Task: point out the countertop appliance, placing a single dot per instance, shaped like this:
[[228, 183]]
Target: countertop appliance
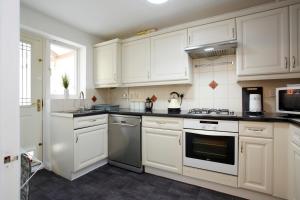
[[211, 145], [288, 100], [124, 142], [252, 98], [175, 102]]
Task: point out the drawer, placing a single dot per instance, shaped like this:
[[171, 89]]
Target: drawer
[[163, 123], [94, 120], [256, 129]]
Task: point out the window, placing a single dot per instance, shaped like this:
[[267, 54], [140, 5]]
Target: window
[[25, 74], [63, 61]]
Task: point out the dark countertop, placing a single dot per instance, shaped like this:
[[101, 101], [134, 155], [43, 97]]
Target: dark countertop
[[267, 117]]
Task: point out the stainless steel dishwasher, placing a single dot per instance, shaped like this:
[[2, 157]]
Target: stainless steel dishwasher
[[124, 142]]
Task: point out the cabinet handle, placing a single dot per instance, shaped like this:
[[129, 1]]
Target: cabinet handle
[[76, 138], [286, 62], [189, 39], [255, 129], [179, 140], [233, 33], [185, 72], [242, 148], [148, 75], [294, 62]]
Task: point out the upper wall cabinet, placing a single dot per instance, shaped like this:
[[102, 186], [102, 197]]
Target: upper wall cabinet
[[107, 64], [295, 38], [263, 40], [212, 33], [136, 61], [169, 61]]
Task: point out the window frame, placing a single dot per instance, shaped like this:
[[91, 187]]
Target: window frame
[[77, 70]]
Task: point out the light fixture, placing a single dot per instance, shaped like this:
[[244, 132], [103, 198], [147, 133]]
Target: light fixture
[[157, 1], [209, 49]]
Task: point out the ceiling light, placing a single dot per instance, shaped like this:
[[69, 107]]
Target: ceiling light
[[157, 1]]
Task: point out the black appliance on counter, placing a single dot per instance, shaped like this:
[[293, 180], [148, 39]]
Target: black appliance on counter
[[252, 98]]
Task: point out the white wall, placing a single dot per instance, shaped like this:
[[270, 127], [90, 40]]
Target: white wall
[[9, 98]]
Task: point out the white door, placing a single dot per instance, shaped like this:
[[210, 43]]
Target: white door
[[263, 40], [256, 164], [169, 61], [90, 146], [212, 33], [136, 61], [9, 99], [106, 65], [31, 94], [162, 149], [295, 37]]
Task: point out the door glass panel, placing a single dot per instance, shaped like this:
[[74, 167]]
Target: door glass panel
[[210, 148], [25, 74]]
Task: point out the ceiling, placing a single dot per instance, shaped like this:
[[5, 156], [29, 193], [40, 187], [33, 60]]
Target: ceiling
[[123, 18]]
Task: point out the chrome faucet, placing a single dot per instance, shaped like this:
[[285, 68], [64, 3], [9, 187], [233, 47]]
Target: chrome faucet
[[81, 97]]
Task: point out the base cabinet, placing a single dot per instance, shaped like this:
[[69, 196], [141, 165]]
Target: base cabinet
[[294, 164], [162, 149], [256, 164], [90, 146]]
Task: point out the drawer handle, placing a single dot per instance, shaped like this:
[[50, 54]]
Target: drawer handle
[[92, 120], [161, 123], [255, 129]]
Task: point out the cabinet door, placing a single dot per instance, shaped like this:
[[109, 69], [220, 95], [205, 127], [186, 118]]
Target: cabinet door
[[169, 61], [263, 40], [294, 172], [212, 33], [162, 149], [295, 37], [90, 146], [256, 164], [136, 61], [106, 64]]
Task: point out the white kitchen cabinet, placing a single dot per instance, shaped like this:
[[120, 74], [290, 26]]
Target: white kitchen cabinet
[[212, 33], [295, 38], [90, 146], [162, 149], [256, 164], [107, 64], [263, 40], [78, 145], [294, 163], [169, 61], [136, 61]]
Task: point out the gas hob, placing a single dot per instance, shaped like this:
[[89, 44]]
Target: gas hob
[[211, 111]]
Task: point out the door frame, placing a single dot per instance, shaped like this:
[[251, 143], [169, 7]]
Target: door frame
[[9, 99]]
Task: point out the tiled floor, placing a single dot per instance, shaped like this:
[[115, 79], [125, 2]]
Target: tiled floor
[[111, 183]]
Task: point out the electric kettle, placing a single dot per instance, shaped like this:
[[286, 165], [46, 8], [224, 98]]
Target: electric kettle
[[175, 102]]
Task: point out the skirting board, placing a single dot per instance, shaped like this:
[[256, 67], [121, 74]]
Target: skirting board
[[88, 169], [209, 185]]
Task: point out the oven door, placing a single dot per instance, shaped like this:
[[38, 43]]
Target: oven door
[[211, 150]]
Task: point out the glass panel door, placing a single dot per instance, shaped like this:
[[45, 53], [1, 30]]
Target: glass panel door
[[210, 148]]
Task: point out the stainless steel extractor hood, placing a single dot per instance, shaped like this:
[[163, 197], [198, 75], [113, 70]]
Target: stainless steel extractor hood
[[216, 49]]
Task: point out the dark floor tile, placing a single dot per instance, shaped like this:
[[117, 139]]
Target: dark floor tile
[[112, 183]]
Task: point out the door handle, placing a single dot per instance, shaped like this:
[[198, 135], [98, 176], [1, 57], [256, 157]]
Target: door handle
[[123, 124], [38, 105]]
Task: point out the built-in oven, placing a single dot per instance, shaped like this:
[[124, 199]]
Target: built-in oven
[[211, 145], [288, 100]]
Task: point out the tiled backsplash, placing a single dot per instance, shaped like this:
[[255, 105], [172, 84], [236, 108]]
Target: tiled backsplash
[[227, 94]]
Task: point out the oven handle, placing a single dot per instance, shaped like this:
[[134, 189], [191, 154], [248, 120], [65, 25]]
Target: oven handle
[[212, 133]]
